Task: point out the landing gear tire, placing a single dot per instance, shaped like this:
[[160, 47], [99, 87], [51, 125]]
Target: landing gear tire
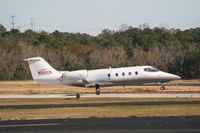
[[78, 96], [98, 89], [162, 87]]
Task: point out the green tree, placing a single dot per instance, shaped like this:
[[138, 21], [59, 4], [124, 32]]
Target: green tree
[[2, 29], [191, 65]]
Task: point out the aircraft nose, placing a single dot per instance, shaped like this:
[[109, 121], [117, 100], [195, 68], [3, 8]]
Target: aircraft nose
[[178, 77], [175, 76], [171, 76]]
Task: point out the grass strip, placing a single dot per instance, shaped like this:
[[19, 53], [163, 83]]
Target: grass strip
[[100, 112], [28, 87]]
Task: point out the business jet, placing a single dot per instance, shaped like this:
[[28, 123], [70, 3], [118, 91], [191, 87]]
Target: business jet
[[43, 73]]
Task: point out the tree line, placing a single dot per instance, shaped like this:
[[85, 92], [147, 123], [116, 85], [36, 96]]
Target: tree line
[[170, 50]]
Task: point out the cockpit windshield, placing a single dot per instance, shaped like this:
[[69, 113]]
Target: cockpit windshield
[[151, 69]]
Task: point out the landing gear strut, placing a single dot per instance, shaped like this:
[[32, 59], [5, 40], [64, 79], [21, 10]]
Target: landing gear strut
[[97, 89], [162, 86]]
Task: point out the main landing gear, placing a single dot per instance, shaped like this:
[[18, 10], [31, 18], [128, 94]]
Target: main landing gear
[[162, 86], [97, 89], [77, 96]]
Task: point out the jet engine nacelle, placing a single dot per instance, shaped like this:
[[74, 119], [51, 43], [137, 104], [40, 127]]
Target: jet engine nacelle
[[75, 75], [71, 76]]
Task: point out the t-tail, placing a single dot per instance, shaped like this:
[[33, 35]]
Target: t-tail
[[41, 71]]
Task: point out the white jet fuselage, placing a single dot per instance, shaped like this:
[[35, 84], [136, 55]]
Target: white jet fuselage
[[124, 76]]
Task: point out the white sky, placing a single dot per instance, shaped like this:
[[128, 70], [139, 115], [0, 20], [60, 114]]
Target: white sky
[[92, 16]]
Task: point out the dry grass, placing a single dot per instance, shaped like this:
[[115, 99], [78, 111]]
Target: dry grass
[[29, 87], [111, 111], [88, 112], [186, 81]]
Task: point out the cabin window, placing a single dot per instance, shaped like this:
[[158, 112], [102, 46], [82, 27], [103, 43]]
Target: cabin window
[[151, 69], [136, 73], [123, 74], [109, 75], [116, 74], [129, 73]]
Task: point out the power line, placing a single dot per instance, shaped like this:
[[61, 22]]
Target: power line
[[13, 21], [32, 24]]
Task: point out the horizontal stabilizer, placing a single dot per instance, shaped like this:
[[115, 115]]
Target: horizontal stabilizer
[[31, 59]]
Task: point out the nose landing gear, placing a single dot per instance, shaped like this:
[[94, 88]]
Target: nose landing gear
[[162, 86]]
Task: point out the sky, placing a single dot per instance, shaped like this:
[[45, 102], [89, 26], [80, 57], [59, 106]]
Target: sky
[[92, 16]]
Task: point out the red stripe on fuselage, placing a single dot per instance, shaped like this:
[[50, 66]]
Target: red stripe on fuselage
[[143, 79]]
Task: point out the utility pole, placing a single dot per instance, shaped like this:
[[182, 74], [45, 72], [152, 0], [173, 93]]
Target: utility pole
[[13, 21], [32, 24]]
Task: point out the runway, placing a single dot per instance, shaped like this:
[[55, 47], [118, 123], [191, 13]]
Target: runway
[[172, 124], [172, 95], [180, 124], [98, 104]]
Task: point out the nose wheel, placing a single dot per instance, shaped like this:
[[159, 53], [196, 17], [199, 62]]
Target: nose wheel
[[162, 87], [97, 89]]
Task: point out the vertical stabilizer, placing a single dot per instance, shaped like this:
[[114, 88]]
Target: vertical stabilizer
[[40, 68]]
